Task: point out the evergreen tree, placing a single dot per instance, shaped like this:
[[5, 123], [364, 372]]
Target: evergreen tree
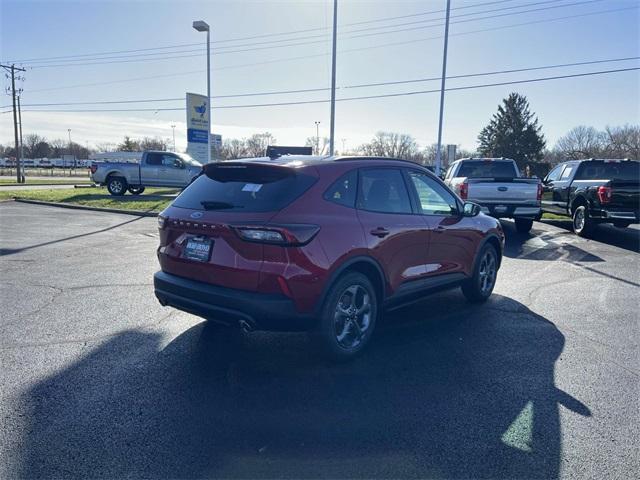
[[513, 132]]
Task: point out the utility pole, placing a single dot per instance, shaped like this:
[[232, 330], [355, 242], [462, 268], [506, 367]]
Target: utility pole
[[13, 69], [317, 138], [444, 75], [343, 148], [20, 123], [173, 127], [333, 78]]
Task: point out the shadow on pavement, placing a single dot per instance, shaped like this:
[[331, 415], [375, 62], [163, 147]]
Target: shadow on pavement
[[627, 238], [459, 391], [11, 251]]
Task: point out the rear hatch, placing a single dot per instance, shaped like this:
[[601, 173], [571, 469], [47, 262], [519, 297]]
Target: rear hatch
[[203, 234]]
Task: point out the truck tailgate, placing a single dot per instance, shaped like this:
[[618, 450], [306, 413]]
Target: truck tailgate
[[625, 193], [502, 191]]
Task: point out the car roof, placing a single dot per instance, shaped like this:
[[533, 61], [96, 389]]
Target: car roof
[[297, 161]]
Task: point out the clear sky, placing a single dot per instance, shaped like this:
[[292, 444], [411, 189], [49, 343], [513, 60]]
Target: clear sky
[[370, 52]]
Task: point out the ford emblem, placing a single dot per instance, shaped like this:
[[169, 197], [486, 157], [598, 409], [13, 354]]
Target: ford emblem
[[503, 189], [196, 215]]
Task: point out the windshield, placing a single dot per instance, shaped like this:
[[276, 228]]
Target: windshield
[[487, 169], [603, 170]]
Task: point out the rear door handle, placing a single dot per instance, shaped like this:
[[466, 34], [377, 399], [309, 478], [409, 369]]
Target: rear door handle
[[439, 229], [379, 232]]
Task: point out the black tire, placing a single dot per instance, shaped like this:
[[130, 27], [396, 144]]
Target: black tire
[[621, 224], [480, 286], [583, 225], [135, 190], [354, 328], [117, 186], [523, 225]]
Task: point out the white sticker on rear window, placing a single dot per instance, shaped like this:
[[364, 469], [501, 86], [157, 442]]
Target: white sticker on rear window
[[252, 187]]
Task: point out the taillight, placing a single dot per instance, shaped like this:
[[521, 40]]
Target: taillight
[[604, 194], [539, 194], [162, 222], [287, 235], [464, 191], [93, 168]]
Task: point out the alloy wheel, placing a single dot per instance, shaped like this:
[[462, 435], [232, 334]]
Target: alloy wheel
[[352, 317]]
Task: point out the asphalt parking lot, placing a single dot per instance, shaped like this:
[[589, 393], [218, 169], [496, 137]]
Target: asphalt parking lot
[[98, 380]]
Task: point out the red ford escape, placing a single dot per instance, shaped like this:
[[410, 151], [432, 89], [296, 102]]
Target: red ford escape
[[320, 244]]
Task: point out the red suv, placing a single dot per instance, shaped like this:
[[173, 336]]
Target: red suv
[[320, 244]]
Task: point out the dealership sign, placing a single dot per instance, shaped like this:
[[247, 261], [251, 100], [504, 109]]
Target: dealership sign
[[197, 126]]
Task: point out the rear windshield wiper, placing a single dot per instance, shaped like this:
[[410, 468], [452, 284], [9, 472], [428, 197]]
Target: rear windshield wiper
[[213, 205]]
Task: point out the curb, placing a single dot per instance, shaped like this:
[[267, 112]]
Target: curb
[[73, 206]]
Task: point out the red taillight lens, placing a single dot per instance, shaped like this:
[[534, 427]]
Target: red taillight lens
[[162, 222], [604, 194], [288, 235], [539, 194], [464, 191], [93, 168]]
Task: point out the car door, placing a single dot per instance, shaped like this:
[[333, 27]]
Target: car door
[[396, 236], [549, 202], [452, 237], [172, 171], [150, 168]]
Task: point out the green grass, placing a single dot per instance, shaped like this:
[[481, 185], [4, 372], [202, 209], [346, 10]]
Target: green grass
[[53, 180], [97, 197], [553, 216]]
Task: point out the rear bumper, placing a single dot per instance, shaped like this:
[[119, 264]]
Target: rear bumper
[[501, 210], [632, 216], [230, 306]]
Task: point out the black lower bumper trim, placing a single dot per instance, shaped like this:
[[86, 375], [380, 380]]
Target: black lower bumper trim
[[226, 305]]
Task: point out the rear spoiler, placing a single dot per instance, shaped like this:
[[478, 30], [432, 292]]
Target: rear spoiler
[[247, 172]]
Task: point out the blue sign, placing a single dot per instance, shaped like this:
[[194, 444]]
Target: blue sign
[[196, 136]]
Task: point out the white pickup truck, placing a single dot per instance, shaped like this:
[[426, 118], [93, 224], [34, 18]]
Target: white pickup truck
[[497, 186], [155, 168]]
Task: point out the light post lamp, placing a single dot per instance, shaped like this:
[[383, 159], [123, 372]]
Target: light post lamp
[[203, 26], [173, 127]]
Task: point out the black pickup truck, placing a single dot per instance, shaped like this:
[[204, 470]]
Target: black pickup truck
[[594, 191]]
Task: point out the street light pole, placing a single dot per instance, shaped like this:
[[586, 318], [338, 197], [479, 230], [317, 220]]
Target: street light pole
[[173, 127], [317, 138], [71, 150], [203, 26], [444, 75], [333, 78]]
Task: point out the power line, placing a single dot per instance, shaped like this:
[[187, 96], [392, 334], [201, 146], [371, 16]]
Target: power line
[[114, 60], [267, 35], [393, 44], [363, 85], [264, 43], [346, 99]]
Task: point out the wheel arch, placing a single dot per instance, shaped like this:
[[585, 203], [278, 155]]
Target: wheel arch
[[578, 201], [494, 241], [364, 264]]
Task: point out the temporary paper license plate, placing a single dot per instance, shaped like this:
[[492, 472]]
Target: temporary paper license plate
[[500, 208], [198, 249]]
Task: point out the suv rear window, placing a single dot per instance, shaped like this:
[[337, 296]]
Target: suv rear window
[[245, 189], [601, 170], [487, 169]]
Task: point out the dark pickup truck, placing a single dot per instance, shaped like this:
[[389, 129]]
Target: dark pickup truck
[[594, 191]]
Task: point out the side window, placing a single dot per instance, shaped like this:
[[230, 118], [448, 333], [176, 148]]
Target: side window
[[343, 190], [434, 199], [168, 160], [554, 174], [154, 159], [383, 190], [566, 173]]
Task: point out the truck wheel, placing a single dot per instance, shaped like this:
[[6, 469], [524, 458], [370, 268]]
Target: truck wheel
[[523, 225], [117, 186], [348, 318], [135, 190], [479, 287], [583, 225]]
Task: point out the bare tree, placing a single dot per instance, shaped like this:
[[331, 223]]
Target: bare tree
[[152, 143], [59, 147], [581, 142], [320, 145], [623, 142], [256, 144], [393, 145], [233, 148]]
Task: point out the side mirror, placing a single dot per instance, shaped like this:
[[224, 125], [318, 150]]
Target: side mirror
[[178, 163], [470, 209]]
